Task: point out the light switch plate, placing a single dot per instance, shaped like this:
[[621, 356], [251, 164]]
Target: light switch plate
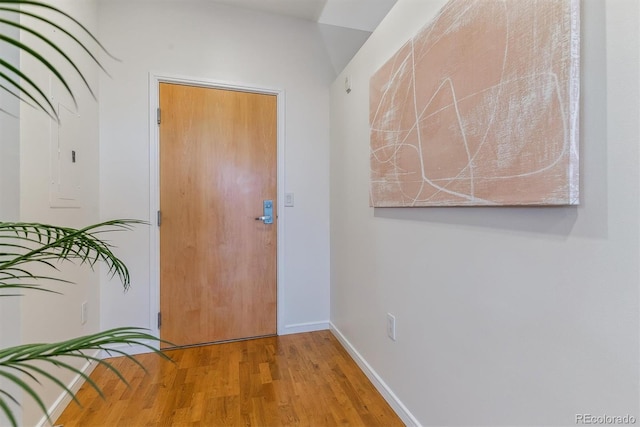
[[288, 200]]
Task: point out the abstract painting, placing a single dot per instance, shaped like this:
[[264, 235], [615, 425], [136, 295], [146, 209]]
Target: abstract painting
[[480, 108]]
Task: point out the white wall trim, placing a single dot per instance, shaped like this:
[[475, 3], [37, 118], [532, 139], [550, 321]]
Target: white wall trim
[[74, 385], [403, 412], [64, 399], [154, 182], [129, 350], [298, 328]]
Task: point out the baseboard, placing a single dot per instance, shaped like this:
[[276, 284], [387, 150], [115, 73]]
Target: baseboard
[[298, 328], [64, 399], [403, 412], [130, 350]]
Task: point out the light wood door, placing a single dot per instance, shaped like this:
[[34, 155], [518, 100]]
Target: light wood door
[[218, 163]]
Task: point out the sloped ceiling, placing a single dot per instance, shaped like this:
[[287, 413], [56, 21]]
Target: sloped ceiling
[[344, 24], [309, 10], [363, 15]]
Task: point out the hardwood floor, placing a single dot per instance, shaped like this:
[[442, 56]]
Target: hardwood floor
[[292, 380]]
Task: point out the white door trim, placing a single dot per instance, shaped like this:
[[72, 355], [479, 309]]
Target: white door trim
[[154, 183]]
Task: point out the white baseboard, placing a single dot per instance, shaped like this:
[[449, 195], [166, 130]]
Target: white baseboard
[[130, 350], [64, 399], [298, 328], [403, 412]]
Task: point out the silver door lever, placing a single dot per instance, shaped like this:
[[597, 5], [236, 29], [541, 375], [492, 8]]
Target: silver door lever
[[267, 212]]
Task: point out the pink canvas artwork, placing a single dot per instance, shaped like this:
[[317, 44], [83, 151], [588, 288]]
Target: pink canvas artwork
[[480, 108]]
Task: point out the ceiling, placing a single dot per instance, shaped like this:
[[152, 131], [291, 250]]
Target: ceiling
[[363, 15], [344, 25]]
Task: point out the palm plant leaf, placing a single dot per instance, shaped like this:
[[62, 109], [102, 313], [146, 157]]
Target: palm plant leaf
[[18, 83], [49, 109], [27, 243], [23, 245], [29, 359]]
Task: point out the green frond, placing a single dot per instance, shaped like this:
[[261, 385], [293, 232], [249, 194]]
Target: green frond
[[6, 409], [33, 243], [19, 84], [19, 360], [25, 89], [27, 245], [51, 44]]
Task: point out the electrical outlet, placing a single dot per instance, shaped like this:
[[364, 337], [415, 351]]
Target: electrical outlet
[[83, 313], [391, 326]]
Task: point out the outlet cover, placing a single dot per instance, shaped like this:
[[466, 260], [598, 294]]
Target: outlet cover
[[83, 313], [391, 326]]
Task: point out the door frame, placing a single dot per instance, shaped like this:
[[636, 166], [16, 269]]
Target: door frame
[[154, 183]]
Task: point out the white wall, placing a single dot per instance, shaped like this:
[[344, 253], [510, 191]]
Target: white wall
[[10, 330], [505, 316], [47, 317], [219, 43], [9, 137], [9, 179]]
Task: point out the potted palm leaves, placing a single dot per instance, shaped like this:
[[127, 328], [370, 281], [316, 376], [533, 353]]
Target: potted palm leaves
[[24, 246]]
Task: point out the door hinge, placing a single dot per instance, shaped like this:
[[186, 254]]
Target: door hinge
[[159, 218], [159, 320], [159, 116]]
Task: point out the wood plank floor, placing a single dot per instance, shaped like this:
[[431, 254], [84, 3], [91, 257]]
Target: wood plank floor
[[292, 380]]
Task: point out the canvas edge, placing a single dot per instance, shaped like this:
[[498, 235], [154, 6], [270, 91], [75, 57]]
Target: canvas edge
[[574, 106]]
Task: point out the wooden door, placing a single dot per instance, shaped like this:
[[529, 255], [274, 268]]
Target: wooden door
[[218, 163]]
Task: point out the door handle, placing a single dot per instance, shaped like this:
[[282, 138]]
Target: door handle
[[267, 212]]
